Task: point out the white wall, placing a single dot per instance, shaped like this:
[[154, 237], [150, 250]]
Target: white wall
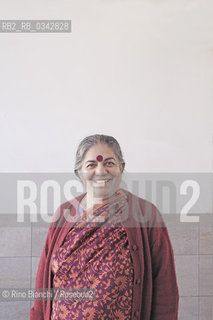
[[138, 70]]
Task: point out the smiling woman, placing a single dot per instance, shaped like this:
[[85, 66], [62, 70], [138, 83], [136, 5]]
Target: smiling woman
[[130, 265], [100, 178]]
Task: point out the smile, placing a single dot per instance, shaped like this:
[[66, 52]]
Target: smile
[[101, 181]]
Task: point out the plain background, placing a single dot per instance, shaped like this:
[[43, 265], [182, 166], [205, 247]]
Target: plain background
[[140, 71]]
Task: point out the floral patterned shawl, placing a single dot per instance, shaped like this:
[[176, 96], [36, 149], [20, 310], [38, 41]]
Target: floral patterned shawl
[[95, 256]]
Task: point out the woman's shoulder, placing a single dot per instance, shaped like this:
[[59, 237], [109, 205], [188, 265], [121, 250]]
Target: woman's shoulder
[[139, 201], [145, 210], [66, 208]]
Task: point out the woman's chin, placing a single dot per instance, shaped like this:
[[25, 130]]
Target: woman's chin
[[102, 192]]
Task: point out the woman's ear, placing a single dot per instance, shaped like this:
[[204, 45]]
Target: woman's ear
[[77, 174], [122, 167]]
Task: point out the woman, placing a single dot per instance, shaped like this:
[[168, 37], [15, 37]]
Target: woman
[[110, 241]]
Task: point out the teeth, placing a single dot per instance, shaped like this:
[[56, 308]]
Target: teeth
[[101, 181]]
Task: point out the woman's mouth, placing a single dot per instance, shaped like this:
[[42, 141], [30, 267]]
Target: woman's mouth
[[101, 182]]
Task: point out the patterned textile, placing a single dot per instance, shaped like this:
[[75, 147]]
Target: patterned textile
[[95, 256]]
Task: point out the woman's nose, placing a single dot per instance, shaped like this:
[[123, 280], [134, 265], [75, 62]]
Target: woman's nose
[[100, 169]]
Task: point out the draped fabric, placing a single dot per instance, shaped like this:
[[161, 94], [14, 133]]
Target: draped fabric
[[95, 256]]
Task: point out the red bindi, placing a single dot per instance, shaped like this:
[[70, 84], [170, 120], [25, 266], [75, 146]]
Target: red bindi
[[99, 158]]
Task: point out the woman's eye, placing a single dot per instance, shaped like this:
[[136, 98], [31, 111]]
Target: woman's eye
[[110, 163], [90, 165]]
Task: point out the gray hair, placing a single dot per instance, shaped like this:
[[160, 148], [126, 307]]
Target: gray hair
[[89, 142]]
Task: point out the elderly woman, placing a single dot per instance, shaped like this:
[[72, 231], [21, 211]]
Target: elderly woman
[[117, 246]]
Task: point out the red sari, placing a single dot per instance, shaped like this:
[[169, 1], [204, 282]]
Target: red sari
[[96, 256]]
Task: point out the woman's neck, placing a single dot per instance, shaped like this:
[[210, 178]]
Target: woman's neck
[[88, 202]]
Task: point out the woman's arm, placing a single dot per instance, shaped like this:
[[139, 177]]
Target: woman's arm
[[37, 311], [165, 296]]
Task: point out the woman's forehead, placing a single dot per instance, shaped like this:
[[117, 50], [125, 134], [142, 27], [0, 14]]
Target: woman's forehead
[[99, 150]]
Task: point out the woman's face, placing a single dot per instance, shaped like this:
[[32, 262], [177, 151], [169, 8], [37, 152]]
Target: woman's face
[[101, 178]]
